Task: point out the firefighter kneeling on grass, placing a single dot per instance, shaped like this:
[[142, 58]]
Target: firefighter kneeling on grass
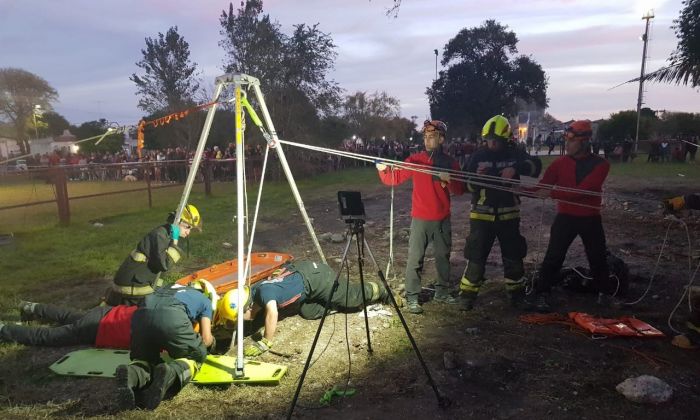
[[495, 212], [299, 287], [165, 324], [156, 253]]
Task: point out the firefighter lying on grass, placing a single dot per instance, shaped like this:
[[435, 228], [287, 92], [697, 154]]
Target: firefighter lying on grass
[[299, 287]]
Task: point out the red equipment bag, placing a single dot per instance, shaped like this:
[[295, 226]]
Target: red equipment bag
[[623, 326]]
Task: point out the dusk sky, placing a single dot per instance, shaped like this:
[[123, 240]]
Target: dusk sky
[[87, 49]]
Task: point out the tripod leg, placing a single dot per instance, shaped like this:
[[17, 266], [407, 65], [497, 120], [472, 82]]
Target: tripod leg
[[318, 331], [360, 237], [442, 401]]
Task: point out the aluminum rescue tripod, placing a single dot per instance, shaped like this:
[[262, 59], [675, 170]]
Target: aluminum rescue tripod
[[238, 81]]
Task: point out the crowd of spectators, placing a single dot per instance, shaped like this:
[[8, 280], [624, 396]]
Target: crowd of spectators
[[171, 164], [682, 149]]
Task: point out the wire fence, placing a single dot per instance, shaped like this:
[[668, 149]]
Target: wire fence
[[141, 177]]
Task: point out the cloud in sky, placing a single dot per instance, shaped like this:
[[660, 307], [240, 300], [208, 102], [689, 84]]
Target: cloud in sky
[[87, 49]]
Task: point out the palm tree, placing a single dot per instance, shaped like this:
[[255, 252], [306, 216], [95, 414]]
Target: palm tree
[[684, 63]]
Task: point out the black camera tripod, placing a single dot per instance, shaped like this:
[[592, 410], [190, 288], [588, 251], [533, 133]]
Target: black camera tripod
[[356, 229]]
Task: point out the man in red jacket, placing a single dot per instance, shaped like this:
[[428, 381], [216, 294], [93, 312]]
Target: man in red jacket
[[578, 212], [430, 212]]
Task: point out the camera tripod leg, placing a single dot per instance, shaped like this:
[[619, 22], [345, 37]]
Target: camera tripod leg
[[320, 327], [360, 237], [442, 401]]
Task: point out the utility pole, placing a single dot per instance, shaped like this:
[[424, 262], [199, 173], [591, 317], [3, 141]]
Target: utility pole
[[436, 61], [648, 16]]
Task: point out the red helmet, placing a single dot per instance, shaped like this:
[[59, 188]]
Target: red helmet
[[438, 125], [579, 130]]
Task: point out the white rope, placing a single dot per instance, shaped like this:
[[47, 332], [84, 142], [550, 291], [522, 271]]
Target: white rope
[[474, 178], [686, 291], [245, 176], [427, 169], [390, 263], [538, 253], [255, 218], [656, 266]]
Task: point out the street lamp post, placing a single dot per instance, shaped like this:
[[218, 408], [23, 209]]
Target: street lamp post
[[436, 63], [35, 112]]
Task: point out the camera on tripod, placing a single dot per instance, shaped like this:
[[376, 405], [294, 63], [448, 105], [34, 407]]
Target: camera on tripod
[[352, 209]]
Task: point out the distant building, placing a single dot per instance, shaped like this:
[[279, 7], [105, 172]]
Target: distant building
[[7, 146], [41, 146], [66, 141], [530, 121]]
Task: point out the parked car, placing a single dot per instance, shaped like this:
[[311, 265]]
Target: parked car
[[21, 165]]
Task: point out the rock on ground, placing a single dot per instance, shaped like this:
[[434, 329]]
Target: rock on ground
[[645, 389]]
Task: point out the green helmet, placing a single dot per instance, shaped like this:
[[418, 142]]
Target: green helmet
[[496, 128]]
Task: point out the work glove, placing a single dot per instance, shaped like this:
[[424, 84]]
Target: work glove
[[257, 348], [381, 167], [175, 231], [212, 347], [672, 205]]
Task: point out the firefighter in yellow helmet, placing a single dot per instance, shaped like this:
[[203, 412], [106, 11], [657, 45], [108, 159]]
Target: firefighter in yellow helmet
[[139, 273], [298, 287], [495, 211], [227, 308]]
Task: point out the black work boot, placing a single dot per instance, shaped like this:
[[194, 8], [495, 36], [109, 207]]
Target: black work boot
[[445, 297], [126, 381], [541, 303], [164, 376], [466, 301], [518, 300]]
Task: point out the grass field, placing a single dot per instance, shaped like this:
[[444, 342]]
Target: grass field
[[45, 259]]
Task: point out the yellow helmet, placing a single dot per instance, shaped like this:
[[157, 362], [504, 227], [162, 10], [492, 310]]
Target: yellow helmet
[[496, 128], [204, 286], [190, 215], [227, 309]]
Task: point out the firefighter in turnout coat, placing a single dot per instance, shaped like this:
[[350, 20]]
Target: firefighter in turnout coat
[[495, 212]]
